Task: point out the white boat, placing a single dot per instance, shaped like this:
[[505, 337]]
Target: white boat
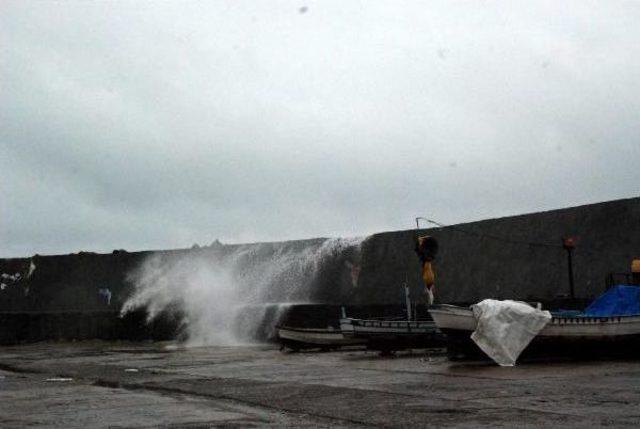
[[564, 334], [450, 318], [300, 338]]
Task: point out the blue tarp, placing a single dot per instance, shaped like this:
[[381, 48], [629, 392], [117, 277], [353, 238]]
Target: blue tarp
[[567, 313], [617, 301]]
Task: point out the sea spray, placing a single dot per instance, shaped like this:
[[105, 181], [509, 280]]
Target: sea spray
[[230, 294]]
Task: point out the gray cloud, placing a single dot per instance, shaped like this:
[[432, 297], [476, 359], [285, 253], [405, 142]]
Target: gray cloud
[[154, 125]]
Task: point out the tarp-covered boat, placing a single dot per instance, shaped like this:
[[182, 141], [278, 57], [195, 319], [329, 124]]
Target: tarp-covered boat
[[610, 324]]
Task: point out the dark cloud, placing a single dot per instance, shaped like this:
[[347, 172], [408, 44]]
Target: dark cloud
[[155, 125]]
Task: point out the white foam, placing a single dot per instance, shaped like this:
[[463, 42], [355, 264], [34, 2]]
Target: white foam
[[225, 297]]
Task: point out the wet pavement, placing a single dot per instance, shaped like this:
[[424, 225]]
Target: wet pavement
[[95, 384]]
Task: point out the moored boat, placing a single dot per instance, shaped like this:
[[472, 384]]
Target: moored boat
[[566, 332], [453, 319], [307, 338], [388, 334]]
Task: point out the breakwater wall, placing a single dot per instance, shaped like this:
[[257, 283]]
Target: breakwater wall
[[518, 257]]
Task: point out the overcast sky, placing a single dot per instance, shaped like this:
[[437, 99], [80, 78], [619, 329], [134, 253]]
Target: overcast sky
[[142, 125]]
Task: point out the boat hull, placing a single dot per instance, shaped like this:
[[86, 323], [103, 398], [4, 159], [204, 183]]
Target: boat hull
[[387, 335], [299, 338]]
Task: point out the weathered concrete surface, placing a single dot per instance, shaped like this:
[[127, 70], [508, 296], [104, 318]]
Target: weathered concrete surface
[[134, 385], [16, 327], [517, 257]]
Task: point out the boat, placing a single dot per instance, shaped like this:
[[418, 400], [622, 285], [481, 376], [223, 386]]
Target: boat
[[568, 332], [330, 338], [389, 335], [453, 319]]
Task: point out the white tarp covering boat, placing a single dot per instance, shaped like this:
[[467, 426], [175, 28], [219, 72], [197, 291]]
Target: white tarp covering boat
[[505, 328], [563, 331]]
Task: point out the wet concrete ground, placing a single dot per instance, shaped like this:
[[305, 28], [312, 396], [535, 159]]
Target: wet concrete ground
[[147, 385]]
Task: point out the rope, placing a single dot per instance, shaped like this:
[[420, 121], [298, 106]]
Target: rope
[[491, 236]]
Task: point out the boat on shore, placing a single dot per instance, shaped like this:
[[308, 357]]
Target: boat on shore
[[388, 335], [330, 338], [566, 333]]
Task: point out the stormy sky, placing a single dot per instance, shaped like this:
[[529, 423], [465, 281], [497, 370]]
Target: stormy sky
[[143, 125]]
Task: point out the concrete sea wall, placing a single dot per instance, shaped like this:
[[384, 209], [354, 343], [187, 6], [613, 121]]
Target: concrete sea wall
[[520, 257]]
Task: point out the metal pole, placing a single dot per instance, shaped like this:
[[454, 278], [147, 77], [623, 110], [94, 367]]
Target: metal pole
[[407, 298], [569, 243], [571, 285]]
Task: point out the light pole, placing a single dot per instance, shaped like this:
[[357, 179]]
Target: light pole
[[568, 243]]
